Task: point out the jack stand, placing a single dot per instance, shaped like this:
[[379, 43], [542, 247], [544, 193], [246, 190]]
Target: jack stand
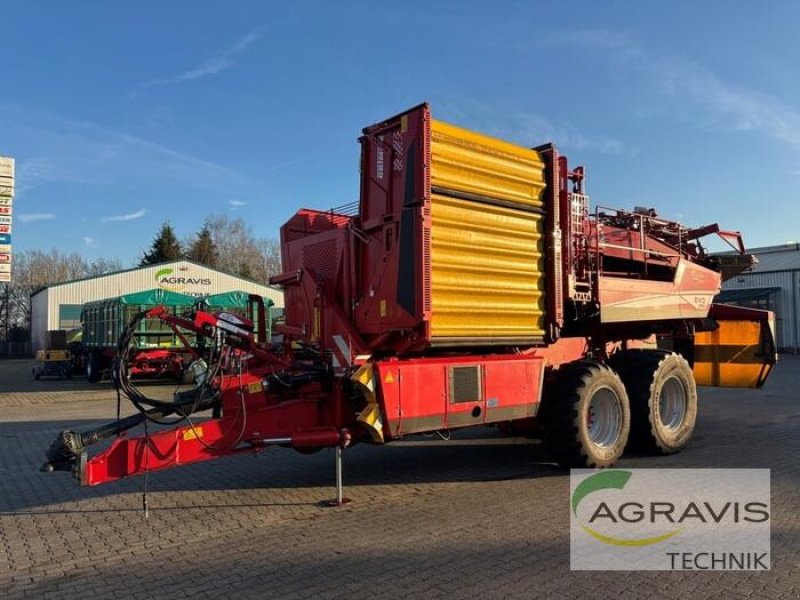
[[340, 500]]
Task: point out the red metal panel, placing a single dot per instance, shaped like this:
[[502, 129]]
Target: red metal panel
[[554, 241], [422, 396], [418, 395], [395, 158], [513, 388]]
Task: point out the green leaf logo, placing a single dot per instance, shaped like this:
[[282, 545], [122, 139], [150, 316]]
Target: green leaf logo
[[603, 480], [611, 480]]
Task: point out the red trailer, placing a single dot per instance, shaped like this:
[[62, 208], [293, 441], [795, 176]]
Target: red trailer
[[474, 285]]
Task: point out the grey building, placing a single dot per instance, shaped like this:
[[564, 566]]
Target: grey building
[[58, 306], [774, 284]]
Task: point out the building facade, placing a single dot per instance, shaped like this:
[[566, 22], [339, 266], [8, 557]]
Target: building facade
[[774, 284], [58, 306]]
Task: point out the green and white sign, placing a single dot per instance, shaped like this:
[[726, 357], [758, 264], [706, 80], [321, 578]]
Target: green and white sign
[[670, 519]]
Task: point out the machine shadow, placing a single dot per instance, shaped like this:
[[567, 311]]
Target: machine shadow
[[478, 455]]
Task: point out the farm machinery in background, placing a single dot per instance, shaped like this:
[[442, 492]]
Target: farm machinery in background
[[473, 285], [156, 351]]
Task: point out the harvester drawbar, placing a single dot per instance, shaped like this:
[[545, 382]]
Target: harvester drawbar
[[231, 383]]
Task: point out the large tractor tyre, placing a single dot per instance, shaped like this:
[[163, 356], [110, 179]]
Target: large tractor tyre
[[585, 415], [94, 368], [663, 398]]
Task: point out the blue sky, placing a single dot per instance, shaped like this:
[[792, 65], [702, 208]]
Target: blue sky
[[123, 115]]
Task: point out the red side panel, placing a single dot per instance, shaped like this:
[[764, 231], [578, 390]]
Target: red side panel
[[395, 159], [421, 395], [317, 256]]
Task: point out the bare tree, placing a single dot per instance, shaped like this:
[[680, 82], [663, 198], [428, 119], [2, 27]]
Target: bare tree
[[271, 255], [35, 269], [240, 252]]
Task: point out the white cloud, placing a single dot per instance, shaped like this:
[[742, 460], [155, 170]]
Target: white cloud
[[211, 66], [527, 128], [684, 89], [128, 217], [29, 217], [236, 204], [80, 152], [89, 241]]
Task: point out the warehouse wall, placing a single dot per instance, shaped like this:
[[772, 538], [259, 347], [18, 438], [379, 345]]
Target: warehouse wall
[[39, 326], [786, 309]]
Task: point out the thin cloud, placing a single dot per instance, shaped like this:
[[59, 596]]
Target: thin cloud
[[528, 128], [719, 105], [30, 217], [89, 241], [75, 151], [236, 204], [129, 217], [682, 88], [211, 66]]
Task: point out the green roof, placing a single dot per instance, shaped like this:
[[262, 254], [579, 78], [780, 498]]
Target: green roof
[[152, 297], [237, 299]]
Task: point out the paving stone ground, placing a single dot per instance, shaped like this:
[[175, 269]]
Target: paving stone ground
[[479, 516]]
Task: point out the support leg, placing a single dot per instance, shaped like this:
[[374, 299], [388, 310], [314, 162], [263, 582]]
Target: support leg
[[340, 500]]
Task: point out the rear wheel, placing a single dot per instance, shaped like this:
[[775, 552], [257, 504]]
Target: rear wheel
[[93, 368], [663, 397], [585, 415]]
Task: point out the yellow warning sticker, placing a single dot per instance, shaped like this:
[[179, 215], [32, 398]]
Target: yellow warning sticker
[[389, 378], [192, 433], [254, 388], [383, 308]]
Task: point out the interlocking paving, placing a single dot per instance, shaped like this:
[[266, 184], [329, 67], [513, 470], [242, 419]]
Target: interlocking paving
[[477, 516]]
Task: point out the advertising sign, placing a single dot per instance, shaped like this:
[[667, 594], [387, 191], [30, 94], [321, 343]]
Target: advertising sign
[[5, 228], [5, 238], [5, 258], [5, 268], [5, 277], [5, 209], [6, 167], [670, 519]]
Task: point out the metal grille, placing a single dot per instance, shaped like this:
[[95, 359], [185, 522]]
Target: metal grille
[[580, 211], [321, 259], [465, 384], [426, 261]]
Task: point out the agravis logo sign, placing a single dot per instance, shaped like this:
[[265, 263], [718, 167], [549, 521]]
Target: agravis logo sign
[[167, 280], [613, 480], [667, 519]]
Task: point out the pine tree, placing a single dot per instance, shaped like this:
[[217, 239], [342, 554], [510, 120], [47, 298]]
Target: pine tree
[[165, 247], [203, 249]]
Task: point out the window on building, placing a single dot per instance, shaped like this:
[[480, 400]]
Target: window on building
[[69, 316]]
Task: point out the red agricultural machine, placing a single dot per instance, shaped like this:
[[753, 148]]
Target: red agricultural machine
[[472, 285]]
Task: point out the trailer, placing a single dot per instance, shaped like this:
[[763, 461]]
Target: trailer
[[473, 285], [160, 351], [241, 303]]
